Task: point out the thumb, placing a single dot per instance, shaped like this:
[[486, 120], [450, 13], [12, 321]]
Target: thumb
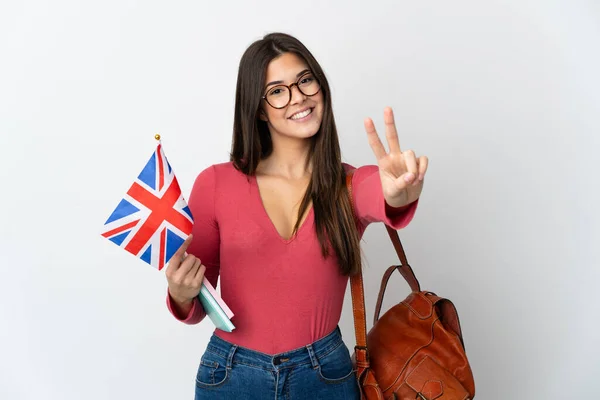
[[402, 182], [406, 179]]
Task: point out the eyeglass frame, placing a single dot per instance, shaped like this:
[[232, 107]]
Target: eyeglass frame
[[289, 87]]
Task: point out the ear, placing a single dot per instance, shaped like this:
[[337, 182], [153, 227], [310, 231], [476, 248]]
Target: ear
[[262, 115]]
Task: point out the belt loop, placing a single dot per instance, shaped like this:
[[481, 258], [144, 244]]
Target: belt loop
[[313, 358], [230, 356]]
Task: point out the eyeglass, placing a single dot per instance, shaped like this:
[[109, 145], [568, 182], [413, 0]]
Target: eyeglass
[[279, 96]]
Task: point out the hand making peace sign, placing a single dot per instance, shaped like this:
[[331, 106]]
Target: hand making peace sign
[[401, 172]]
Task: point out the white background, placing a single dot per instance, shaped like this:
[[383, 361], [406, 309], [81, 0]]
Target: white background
[[502, 96]]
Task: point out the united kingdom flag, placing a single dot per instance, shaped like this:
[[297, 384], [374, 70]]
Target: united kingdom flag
[[153, 219]]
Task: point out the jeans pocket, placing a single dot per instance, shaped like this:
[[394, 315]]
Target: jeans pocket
[[212, 371], [336, 367]]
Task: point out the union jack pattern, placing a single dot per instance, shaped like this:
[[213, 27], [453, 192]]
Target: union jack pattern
[[153, 219]]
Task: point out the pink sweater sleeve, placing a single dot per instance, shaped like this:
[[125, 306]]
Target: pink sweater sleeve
[[206, 242], [370, 205]]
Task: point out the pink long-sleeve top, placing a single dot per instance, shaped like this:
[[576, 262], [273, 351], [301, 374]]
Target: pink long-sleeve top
[[283, 293]]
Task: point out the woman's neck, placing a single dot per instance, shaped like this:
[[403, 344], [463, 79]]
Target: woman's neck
[[289, 159]]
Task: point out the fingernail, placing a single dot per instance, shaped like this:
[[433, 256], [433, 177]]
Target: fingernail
[[421, 177], [409, 177]]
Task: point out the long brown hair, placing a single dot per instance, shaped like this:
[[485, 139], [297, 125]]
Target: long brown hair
[[334, 223]]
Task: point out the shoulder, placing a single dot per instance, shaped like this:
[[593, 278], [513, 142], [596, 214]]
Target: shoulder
[[221, 172], [360, 172], [348, 167], [220, 180]]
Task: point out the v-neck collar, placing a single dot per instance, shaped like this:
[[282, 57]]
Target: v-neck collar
[[261, 204]]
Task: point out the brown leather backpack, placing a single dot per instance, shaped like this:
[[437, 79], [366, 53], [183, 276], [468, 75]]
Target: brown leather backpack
[[415, 350]]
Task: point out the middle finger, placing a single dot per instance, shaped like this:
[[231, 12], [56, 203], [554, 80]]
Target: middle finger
[[390, 130], [186, 265]]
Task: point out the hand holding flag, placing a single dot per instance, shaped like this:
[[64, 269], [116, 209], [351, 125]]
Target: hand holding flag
[[185, 274], [154, 223]]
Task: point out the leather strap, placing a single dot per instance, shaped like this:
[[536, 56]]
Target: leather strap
[[408, 275], [357, 286], [357, 291]]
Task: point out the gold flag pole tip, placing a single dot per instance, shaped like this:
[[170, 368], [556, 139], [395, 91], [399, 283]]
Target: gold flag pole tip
[[157, 136]]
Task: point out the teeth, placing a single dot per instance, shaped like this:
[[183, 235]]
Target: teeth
[[302, 114]]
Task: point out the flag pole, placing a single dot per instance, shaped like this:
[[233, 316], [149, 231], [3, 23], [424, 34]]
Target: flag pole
[[213, 305]]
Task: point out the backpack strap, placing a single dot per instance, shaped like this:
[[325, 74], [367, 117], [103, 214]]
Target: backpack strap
[[356, 281]]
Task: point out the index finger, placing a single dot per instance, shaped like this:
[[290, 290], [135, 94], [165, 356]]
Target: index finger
[[374, 141], [180, 253]]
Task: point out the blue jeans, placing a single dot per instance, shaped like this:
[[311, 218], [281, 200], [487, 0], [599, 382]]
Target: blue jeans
[[321, 370]]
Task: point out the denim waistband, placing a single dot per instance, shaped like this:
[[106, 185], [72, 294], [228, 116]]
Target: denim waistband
[[309, 354]]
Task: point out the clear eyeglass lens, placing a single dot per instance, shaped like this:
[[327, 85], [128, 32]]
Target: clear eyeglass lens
[[279, 96]]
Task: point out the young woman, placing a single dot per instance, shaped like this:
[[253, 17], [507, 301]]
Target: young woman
[[276, 224]]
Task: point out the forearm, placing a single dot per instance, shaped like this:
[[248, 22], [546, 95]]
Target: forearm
[[181, 307]]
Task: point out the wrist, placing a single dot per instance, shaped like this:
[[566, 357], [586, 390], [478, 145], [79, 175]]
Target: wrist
[[181, 300], [398, 201]]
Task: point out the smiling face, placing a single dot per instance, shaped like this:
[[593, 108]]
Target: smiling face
[[301, 118]]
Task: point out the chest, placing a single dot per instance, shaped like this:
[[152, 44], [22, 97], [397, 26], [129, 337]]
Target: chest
[[280, 200]]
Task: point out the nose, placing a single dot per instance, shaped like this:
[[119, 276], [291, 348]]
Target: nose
[[297, 95]]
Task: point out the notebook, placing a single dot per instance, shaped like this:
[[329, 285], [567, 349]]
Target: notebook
[[215, 307]]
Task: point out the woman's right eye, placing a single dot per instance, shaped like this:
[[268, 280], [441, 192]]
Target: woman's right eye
[[276, 92]]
